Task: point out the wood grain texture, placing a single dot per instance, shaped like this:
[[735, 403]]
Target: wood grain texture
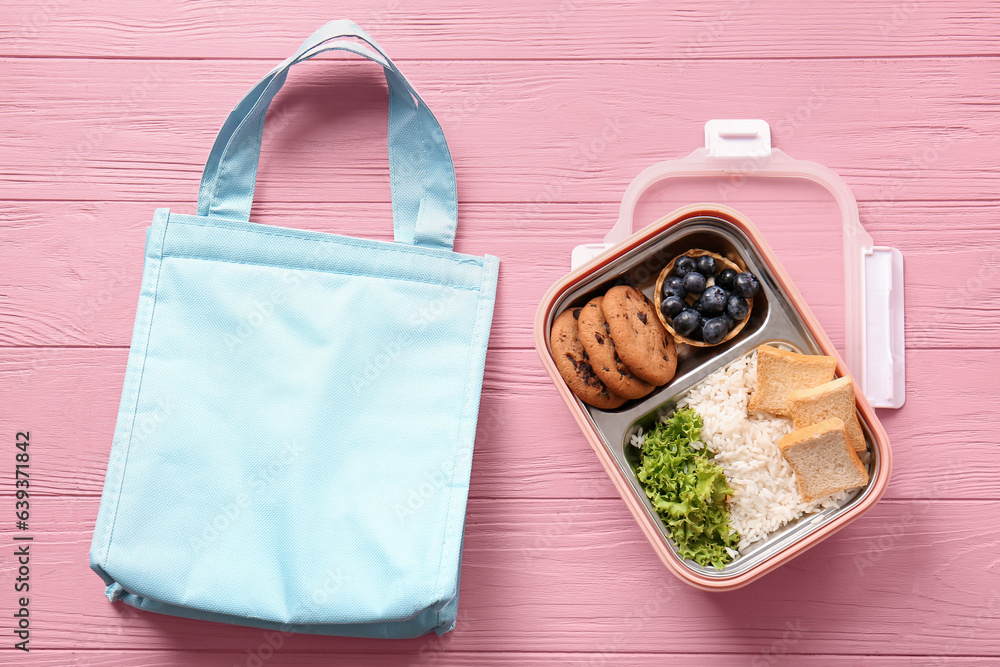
[[918, 128], [550, 107], [70, 271], [527, 445], [542, 571], [520, 29], [778, 656]]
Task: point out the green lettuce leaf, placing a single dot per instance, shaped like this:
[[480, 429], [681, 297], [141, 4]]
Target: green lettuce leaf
[[688, 490]]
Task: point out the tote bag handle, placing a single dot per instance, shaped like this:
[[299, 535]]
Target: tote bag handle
[[421, 172]]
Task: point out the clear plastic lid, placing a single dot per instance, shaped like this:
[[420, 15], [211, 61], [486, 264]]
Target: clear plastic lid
[[810, 218]]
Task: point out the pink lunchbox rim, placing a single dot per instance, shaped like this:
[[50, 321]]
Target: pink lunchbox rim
[[880, 440]]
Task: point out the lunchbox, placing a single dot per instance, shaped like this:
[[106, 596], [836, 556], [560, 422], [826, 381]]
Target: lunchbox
[[850, 308]]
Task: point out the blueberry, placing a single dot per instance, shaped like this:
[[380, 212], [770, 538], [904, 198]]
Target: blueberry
[[746, 285], [713, 301], [737, 307], [726, 278], [683, 266], [714, 330], [674, 286], [694, 283], [730, 322], [672, 305], [686, 322], [706, 265]]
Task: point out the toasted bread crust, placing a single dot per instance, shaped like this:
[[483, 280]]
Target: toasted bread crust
[[780, 371], [831, 399], [828, 471]]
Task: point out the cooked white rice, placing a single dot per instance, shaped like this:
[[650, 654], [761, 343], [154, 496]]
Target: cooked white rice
[[746, 447]]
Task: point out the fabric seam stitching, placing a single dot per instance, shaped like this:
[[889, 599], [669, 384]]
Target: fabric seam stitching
[[338, 239], [474, 288], [478, 328], [142, 367]]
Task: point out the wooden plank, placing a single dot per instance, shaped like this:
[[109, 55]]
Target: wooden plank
[[550, 109], [70, 272], [518, 29], [528, 446], [126, 129], [443, 658], [537, 576]]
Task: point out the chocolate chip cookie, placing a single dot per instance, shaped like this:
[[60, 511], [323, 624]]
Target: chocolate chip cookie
[[640, 340], [596, 339], [574, 365]]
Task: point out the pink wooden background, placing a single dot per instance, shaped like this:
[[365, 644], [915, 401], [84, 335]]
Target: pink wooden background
[[108, 109]]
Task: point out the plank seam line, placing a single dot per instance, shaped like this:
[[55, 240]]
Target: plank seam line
[[496, 348], [533, 499], [64, 347], [651, 59], [518, 653], [478, 202]]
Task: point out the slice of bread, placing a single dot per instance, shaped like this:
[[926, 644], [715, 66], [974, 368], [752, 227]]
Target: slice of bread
[[823, 460], [779, 372], [831, 399]]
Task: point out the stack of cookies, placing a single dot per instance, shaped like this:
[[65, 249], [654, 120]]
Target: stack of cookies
[[613, 349]]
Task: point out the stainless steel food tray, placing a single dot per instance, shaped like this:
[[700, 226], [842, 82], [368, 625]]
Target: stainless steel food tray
[[773, 320]]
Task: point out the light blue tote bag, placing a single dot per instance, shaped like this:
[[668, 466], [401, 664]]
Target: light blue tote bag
[[295, 436]]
